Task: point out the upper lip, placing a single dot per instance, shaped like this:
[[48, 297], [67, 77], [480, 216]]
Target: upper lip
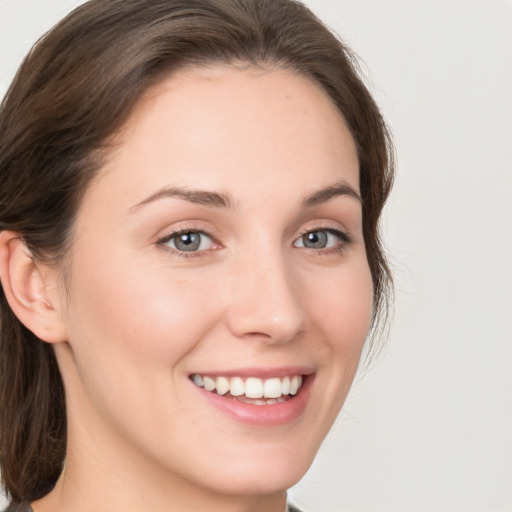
[[262, 373]]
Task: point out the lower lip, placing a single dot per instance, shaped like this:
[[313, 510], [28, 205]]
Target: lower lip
[[262, 415]]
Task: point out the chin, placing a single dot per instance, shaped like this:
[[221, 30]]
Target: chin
[[256, 481], [269, 470]]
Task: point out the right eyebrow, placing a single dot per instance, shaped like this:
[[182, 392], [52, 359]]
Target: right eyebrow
[[204, 197]]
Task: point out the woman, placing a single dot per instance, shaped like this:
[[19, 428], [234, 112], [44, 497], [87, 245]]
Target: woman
[[189, 254]]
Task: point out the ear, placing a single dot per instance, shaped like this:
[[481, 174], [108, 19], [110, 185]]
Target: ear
[[31, 289]]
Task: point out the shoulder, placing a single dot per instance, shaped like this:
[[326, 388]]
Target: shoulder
[[25, 507], [18, 507]]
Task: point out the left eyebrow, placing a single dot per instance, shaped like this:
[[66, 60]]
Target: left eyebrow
[[338, 189]]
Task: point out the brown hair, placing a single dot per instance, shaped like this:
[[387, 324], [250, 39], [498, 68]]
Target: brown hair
[[72, 93]]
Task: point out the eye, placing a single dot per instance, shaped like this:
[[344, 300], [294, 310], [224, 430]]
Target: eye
[[322, 239], [188, 241]]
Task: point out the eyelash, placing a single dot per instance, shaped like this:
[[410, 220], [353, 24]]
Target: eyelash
[[183, 231], [344, 240]]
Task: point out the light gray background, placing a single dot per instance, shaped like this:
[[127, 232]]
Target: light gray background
[[429, 428]]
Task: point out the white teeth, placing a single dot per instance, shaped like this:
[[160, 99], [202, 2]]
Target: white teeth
[[295, 384], [253, 387], [285, 387], [222, 385], [272, 388], [208, 383], [237, 386]]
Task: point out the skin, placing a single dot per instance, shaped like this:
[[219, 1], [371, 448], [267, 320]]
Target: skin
[[139, 317]]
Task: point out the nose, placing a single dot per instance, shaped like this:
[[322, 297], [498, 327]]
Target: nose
[[266, 302]]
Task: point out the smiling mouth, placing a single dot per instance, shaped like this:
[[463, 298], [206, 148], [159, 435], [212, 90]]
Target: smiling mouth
[[251, 390]]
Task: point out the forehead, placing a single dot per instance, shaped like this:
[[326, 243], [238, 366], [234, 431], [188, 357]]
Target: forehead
[[227, 127]]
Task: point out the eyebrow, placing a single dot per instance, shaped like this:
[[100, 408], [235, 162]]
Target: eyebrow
[[223, 200], [341, 188], [204, 197]]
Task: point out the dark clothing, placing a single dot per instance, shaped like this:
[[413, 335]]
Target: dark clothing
[[25, 507]]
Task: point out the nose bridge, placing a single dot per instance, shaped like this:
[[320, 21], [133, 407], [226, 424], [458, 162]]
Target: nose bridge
[[266, 301]]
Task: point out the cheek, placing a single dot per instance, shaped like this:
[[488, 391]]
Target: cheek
[[129, 333], [342, 308], [137, 316]]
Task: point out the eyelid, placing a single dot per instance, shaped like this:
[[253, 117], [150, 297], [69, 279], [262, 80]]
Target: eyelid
[[337, 230], [344, 238], [183, 229], [184, 232]]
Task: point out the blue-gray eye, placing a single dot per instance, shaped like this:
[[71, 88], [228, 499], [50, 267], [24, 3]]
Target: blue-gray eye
[[189, 241], [320, 239]]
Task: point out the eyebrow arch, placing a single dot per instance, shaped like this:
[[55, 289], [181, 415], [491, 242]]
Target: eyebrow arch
[[204, 197], [338, 189]]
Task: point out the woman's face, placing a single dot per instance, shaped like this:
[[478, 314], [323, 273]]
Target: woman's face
[[221, 244]]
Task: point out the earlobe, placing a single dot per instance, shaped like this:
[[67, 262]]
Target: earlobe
[[31, 289]]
